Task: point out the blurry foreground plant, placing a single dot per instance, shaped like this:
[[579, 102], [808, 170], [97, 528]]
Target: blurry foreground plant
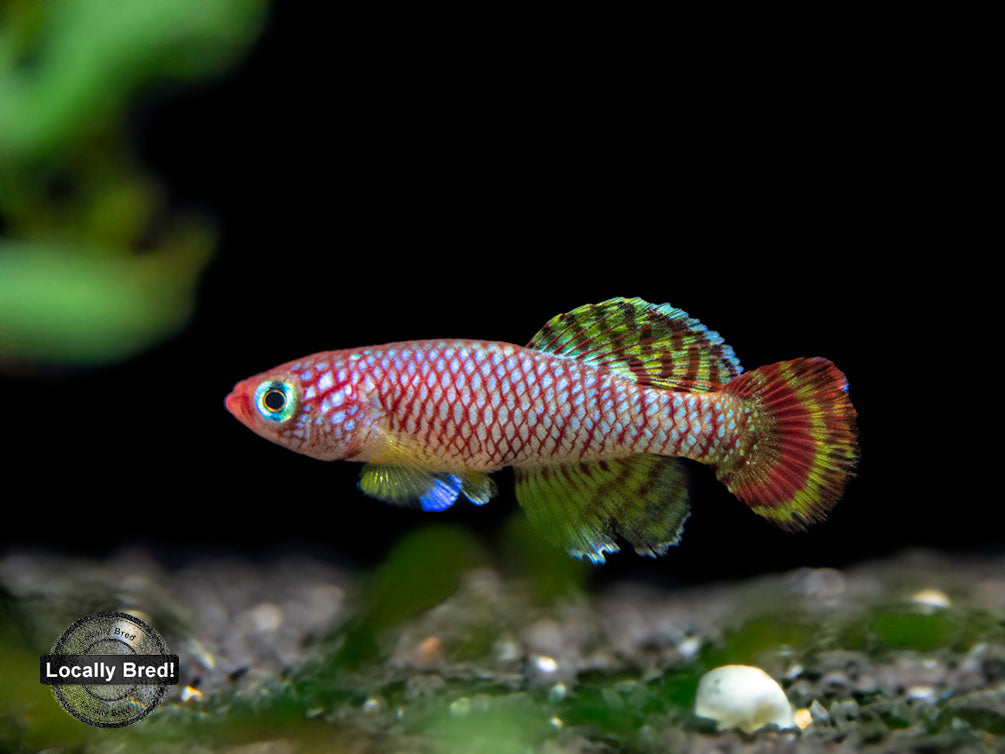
[[100, 270]]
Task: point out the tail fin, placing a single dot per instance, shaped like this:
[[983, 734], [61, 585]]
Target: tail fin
[[798, 448]]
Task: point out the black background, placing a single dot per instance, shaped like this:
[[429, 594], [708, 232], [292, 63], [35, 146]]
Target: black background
[[378, 181]]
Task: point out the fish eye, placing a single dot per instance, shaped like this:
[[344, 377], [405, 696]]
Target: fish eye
[[276, 400]]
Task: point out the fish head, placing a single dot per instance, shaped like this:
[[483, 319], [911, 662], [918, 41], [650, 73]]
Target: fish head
[[294, 407]]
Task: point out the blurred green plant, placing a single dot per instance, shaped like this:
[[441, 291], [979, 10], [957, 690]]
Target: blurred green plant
[[93, 266], [67, 304], [548, 570], [421, 571], [29, 718], [908, 627]]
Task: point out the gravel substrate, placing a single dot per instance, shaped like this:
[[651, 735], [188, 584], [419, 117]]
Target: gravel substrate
[[904, 654]]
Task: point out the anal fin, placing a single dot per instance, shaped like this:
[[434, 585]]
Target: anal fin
[[585, 506]]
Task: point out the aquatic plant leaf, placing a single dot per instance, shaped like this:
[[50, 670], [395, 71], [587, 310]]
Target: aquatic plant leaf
[[67, 306]]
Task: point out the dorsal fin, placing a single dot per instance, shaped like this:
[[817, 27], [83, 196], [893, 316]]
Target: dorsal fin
[[656, 345]]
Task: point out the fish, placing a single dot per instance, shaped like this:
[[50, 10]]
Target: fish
[[599, 416]]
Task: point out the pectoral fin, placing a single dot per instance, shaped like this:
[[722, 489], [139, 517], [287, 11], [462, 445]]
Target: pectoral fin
[[584, 506]]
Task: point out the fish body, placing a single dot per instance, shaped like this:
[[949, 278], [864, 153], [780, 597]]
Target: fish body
[[593, 415], [463, 405]]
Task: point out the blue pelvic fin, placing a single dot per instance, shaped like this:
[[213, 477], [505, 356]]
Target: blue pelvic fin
[[430, 490]]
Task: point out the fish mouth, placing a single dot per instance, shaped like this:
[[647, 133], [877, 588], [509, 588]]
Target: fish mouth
[[237, 404]]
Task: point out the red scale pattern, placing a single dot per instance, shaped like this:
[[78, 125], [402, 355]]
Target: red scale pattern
[[479, 406]]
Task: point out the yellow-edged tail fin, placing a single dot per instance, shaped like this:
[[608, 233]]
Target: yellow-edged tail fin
[[798, 447]]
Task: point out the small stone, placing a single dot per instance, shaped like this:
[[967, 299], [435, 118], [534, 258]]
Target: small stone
[[557, 693], [803, 717], [689, 647], [819, 712], [190, 694], [545, 664], [922, 693], [933, 599]]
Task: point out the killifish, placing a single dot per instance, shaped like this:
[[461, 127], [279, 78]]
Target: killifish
[[594, 415]]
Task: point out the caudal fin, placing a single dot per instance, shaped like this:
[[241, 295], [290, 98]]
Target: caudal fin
[[798, 448]]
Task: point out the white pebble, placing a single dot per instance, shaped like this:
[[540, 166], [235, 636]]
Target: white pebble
[[932, 598], [545, 664], [744, 697]]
